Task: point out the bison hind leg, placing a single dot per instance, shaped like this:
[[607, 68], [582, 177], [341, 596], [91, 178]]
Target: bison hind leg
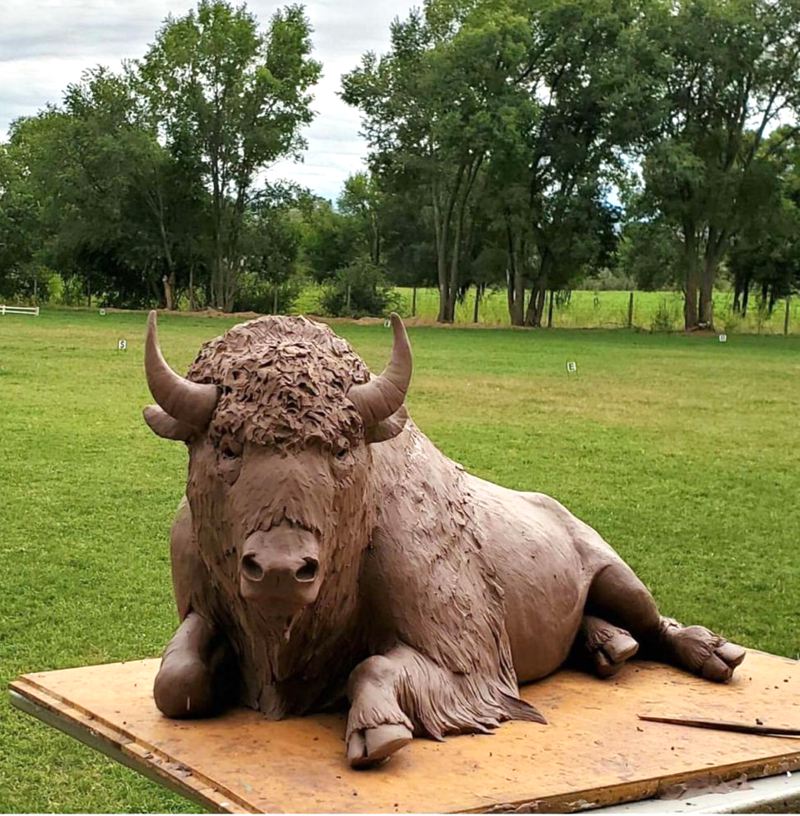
[[603, 646], [699, 650], [617, 595]]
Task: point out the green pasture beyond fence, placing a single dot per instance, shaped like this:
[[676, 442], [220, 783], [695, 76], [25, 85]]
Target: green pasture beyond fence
[[586, 309]]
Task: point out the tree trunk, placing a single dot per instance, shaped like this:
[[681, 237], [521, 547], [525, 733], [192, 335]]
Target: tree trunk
[[376, 240], [452, 283], [169, 291], [442, 217], [715, 248], [690, 262], [515, 283], [533, 315], [706, 310], [192, 302]]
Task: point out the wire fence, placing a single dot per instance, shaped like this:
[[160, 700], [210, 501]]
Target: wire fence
[[587, 309]]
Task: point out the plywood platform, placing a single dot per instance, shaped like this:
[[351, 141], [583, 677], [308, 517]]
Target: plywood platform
[[594, 752]]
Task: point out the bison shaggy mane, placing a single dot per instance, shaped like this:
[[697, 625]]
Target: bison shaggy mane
[[283, 382]]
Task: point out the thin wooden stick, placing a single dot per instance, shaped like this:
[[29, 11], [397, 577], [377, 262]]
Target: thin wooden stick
[[722, 725]]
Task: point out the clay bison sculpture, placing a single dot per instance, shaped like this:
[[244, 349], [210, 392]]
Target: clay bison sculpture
[[326, 548]]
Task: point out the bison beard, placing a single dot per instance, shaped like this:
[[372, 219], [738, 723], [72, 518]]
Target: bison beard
[[327, 548]]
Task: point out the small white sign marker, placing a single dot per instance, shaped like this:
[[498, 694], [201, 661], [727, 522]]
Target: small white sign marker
[[122, 345]]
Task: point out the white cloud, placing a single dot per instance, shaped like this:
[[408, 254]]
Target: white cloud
[[47, 44]]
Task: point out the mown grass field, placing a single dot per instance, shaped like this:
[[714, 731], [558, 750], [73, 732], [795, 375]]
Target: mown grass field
[[585, 309], [683, 452]]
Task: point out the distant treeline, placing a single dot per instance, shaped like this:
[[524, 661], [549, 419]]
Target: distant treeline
[[513, 144]]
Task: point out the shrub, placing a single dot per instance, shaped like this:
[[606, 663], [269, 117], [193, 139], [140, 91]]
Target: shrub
[[664, 318], [258, 295], [359, 290]]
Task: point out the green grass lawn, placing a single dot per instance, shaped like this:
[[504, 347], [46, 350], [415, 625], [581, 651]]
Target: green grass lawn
[[683, 452]]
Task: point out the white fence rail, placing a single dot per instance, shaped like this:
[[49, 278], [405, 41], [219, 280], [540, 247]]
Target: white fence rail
[[21, 310]]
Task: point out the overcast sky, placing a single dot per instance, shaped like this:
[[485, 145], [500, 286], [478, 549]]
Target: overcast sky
[[46, 44]]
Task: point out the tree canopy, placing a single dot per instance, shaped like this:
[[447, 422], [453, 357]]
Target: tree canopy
[[512, 144]]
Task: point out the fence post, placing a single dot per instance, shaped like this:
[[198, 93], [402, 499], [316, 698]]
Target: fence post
[[786, 317], [413, 301], [630, 311], [550, 312]]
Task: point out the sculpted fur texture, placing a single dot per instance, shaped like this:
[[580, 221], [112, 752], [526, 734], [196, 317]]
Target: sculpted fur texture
[[326, 550]]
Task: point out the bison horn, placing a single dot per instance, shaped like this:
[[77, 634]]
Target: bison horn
[[165, 426], [379, 398], [188, 402]]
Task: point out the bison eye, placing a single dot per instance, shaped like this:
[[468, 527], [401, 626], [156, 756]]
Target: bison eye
[[229, 459], [341, 453]]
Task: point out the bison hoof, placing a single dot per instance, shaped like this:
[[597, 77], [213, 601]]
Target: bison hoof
[[371, 746], [611, 655], [701, 651], [722, 661]]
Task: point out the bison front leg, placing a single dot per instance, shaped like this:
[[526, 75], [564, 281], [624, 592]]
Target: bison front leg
[[193, 678], [377, 726]]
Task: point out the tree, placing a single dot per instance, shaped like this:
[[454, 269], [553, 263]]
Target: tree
[[271, 240], [115, 209], [18, 226], [585, 77], [231, 100], [331, 239], [766, 251], [649, 253], [734, 67], [431, 109]]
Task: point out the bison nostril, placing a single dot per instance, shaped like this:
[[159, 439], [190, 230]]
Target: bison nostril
[[308, 572], [251, 568]]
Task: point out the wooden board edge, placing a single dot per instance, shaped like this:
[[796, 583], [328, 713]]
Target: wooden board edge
[[627, 792], [144, 759]]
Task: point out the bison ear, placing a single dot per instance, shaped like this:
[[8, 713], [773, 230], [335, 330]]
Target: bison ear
[[164, 425], [388, 428]]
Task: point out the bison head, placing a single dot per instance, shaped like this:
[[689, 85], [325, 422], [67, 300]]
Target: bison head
[[278, 414]]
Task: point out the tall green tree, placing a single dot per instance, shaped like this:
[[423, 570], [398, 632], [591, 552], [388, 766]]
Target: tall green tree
[[362, 199], [271, 241], [587, 74], [19, 225], [734, 70], [431, 109], [115, 207], [231, 100], [765, 253]]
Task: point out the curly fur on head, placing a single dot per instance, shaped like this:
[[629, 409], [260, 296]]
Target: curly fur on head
[[284, 382]]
